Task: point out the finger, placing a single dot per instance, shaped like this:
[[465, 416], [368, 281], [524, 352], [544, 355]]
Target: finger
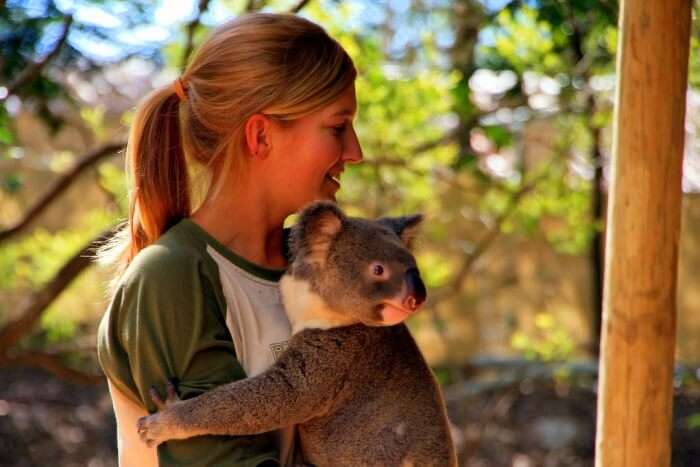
[[141, 429], [172, 393], [155, 397]]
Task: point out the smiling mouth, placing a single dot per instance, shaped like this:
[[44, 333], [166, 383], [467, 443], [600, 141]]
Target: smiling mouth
[[335, 180]]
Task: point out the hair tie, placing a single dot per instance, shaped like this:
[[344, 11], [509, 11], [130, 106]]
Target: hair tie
[[180, 88]]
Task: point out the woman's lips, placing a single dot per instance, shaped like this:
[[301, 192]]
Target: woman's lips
[[334, 181]]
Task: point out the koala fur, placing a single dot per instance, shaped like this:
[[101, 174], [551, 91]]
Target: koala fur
[[356, 385]]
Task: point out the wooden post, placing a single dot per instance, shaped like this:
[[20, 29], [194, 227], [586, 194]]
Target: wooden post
[[639, 310]]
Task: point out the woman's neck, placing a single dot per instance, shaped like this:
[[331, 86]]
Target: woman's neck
[[241, 219]]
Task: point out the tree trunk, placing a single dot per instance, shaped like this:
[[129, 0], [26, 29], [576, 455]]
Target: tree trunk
[[596, 253], [639, 310]]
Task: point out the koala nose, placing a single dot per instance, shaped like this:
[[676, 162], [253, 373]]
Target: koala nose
[[416, 290]]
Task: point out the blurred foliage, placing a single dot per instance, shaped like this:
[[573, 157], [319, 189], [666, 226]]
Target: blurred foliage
[[553, 49], [113, 181], [399, 110], [549, 342], [32, 260], [29, 31], [694, 421]]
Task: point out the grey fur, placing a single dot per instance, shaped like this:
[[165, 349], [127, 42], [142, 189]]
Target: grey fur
[[360, 395], [342, 277]]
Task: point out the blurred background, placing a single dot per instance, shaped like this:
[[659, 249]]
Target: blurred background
[[492, 117]]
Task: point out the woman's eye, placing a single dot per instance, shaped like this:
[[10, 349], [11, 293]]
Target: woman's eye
[[339, 129], [377, 270]]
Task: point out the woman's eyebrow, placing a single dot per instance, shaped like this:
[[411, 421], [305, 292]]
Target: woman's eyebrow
[[345, 112]]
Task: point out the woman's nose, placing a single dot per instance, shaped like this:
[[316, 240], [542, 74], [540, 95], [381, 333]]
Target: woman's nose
[[353, 151]]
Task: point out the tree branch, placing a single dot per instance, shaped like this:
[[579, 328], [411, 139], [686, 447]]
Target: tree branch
[[53, 364], [35, 305], [491, 235], [448, 137], [191, 28], [59, 187], [299, 6], [252, 6], [33, 70], [444, 176], [486, 240]]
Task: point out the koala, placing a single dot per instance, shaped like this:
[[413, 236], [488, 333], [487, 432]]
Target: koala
[[352, 378]]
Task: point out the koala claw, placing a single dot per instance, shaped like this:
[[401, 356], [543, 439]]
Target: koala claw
[[154, 429], [150, 430], [171, 396]]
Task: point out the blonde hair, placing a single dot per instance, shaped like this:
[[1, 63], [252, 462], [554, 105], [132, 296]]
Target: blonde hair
[[279, 64]]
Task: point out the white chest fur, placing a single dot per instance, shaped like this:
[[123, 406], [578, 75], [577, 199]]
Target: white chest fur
[[306, 309]]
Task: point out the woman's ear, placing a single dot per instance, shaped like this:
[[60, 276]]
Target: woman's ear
[[257, 136]]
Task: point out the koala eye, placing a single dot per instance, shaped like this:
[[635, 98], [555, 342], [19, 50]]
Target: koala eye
[[377, 269]]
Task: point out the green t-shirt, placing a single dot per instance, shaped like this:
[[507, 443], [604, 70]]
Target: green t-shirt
[[167, 319]]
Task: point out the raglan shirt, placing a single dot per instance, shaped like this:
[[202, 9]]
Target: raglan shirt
[[188, 307]]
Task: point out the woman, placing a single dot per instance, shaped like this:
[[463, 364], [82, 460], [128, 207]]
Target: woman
[[263, 116]]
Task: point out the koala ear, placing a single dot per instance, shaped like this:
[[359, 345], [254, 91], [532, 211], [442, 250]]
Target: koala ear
[[406, 227], [319, 223]]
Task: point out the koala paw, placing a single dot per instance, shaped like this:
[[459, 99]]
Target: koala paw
[[157, 428]]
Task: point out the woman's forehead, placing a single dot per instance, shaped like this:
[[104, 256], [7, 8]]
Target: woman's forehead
[[344, 105]]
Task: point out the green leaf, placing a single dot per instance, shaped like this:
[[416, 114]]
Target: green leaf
[[693, 421], [499, 135], [12, 183]]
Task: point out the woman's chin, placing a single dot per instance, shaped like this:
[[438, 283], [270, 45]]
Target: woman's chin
[[329, 188], [326, 195], [322, 196]]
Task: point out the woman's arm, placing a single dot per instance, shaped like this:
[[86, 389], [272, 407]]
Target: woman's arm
[[132, 452], [165, 322]]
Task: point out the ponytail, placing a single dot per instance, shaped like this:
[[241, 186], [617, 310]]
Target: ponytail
[[156, 165], [157, 171]]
